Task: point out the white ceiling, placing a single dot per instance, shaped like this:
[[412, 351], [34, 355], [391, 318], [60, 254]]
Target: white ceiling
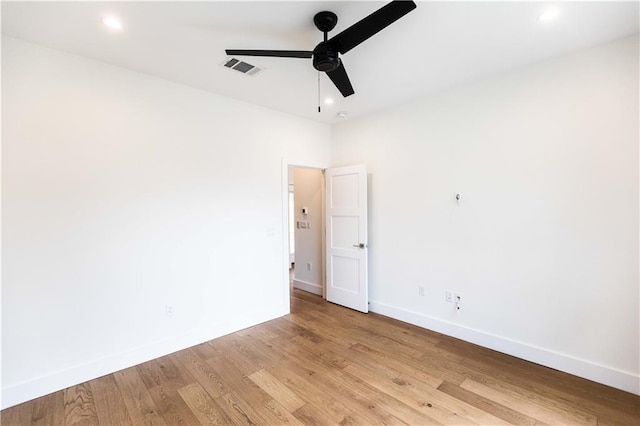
[[437, 46]]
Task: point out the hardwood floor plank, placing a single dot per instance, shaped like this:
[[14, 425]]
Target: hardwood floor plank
[[164, 372], [204, 351], [231, 353], [527, 406], [283, 327], [142, 410], [388, 327], [256, 352], [307, 297], [425, 399], [330, 354], [246, 353], [238, 382], [268, 355], [171, 406], [378, 360], [309, 414], [110, 406], [240, 412], [432, 368], [277, 390], [534, 392], [613, 417], [328, 330], [79, 408], [261, 333], [277, 414], [402, 330], [498, 410], [333, 411], [206, 410], [365, 404], [17, 415], [411, 348], [304, 328], [201, 371], [49, 410], [358, 333]]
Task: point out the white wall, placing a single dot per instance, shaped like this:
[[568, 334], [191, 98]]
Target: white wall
[[124, 193], [544, 243], [308, 192]]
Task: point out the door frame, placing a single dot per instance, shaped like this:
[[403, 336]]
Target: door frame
[[286, 164]]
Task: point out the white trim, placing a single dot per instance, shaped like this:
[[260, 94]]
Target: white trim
[[40, 386], [619, 379], [307, 286], [286, 297]]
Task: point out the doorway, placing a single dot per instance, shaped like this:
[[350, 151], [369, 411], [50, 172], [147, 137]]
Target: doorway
[[344, 191], [306, 228]]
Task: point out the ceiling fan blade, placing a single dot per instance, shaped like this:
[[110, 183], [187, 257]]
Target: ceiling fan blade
[[276, 53], [372, 24], [341, 80]]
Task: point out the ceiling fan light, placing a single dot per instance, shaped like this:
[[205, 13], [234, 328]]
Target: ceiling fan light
[[548, 15], [112, 22], [328, 101]]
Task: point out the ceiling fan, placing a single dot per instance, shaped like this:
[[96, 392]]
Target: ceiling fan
[[325, 55]]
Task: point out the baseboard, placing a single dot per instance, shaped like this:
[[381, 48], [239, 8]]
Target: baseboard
[[40, 386], [306, 286], [623, 380]]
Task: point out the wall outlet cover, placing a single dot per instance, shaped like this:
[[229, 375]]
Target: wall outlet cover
[[448, 294]]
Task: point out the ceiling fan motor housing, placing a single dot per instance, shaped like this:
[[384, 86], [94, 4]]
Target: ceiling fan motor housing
[[325, 58]]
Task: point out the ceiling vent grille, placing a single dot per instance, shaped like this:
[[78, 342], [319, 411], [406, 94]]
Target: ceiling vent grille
[[241, 66]]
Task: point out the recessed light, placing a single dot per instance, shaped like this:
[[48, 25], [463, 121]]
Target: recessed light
[[112, 22], [342, 114], [549, 15], [328, 101]]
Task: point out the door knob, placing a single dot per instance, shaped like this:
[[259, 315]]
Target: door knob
[[361, 245]]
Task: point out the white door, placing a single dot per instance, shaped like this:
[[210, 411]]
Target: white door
[[346, 242]]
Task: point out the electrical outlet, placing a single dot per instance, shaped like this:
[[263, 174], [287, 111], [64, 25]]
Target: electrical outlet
[[420, 290], [168, 310], [448, 296], [308, 266]]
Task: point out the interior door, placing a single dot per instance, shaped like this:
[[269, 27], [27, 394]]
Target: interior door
[[346, 240]]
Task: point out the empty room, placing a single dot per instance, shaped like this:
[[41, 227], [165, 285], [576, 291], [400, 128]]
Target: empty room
[[320, 212]]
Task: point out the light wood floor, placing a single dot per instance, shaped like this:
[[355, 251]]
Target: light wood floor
[[324, 364]]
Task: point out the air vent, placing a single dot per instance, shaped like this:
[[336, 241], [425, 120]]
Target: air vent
[[241, 66]]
